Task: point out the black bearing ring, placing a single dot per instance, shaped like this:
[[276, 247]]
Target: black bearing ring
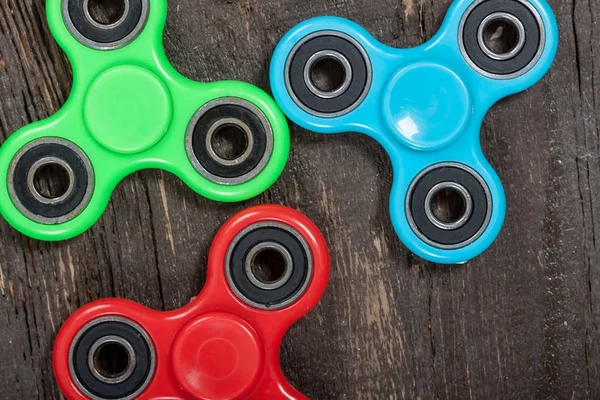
[[100, 36], [338, 46], [44, 152], [527, 21], [245, 116], [297, 271], [475, 193], [141, 364]]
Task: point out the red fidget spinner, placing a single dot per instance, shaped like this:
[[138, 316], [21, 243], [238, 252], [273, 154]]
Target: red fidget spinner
[[224, 344]]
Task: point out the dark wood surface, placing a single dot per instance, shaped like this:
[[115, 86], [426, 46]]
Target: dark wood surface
[[521, 321]]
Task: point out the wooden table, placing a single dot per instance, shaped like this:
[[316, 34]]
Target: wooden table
[[521, 321]]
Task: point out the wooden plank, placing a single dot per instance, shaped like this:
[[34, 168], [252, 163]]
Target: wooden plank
[[518, 322]]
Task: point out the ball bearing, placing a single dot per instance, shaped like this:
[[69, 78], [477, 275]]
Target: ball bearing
[[466, 199], [268, 284], [37, 167], [90, 347], [295, 273], [489, 21], [96, 35], [475, 197], [513, 48], [347, 53], [328, 55], [42, 153], [246, 118], [95, 353]]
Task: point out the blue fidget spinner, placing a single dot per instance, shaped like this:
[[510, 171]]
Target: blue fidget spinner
[[425, 105]]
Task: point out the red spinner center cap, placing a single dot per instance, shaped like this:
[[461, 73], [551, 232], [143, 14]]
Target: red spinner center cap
[[218, 356]]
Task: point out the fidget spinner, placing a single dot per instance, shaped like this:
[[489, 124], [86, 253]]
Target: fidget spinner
[[225, 343], [130, 110], [425, 106]]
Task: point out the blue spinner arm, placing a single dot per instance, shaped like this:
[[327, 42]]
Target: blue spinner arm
[[425, 105]]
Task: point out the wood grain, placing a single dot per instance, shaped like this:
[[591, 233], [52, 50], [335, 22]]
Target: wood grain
[[521, 321]]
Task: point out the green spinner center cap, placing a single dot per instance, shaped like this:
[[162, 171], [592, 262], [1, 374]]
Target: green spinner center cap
[[128, 109]]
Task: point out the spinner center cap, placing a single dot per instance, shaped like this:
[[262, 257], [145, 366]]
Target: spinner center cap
[[426, 105], [128, 109], [217, 356]]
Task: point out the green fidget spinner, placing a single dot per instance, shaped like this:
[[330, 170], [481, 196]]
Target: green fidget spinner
[[129, 109]]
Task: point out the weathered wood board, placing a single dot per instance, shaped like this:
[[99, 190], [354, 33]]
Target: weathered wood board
[[521, 321]]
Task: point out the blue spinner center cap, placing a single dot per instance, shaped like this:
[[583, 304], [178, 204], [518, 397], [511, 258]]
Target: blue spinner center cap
[[426, 105]]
